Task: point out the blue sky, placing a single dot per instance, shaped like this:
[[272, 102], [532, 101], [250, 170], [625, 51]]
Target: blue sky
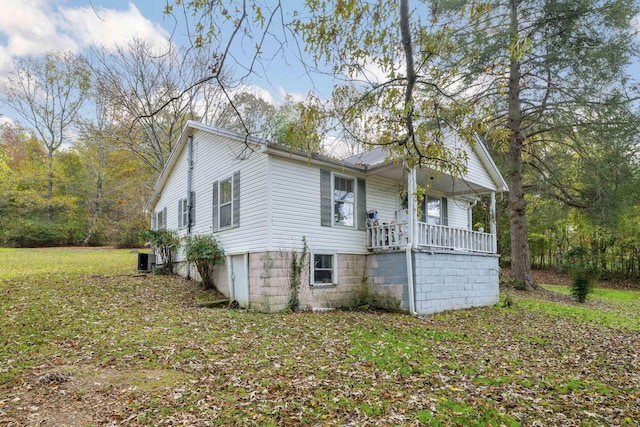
[[37, 26], [31, 27]]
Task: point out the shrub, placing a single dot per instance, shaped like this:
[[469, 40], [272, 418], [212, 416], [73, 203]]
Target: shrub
[[206, 253], [38, 233], [584, 272], [164, 244]]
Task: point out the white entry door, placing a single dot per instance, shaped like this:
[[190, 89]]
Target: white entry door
[[240, 280]]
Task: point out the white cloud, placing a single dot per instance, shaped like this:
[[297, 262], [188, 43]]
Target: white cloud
[[258, 91], [6, 121], [108, 27], [32, 27], [294, 96]]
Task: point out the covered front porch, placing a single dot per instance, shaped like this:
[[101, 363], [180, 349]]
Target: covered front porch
[[434, 211]]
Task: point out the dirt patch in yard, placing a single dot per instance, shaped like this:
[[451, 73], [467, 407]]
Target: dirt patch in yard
[[79, 395]]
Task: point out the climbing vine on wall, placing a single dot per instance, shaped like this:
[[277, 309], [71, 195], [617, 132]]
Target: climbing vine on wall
[[297, 264]]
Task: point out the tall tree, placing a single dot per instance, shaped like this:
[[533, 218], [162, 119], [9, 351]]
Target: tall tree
[[383, 58], [151, 94], [543, 70], [48, 92]]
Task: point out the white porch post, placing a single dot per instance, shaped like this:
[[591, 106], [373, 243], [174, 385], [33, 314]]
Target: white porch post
[[492, 213], [412, 188]]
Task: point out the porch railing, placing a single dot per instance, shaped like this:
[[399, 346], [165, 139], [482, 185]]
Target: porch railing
[[394, 235], [386, 236]]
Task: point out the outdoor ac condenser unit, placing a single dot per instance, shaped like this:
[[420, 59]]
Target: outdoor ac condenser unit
[[146, 262]]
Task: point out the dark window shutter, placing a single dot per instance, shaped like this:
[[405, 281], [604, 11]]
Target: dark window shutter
[[215, 206], [361, 211], [423, 209], [444, 212], [180, 213], [236, 199], [325, 198], [192, 210], [154, 220]]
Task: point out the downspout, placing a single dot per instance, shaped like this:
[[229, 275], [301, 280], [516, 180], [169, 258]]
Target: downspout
[[189, 186], [411, 192]]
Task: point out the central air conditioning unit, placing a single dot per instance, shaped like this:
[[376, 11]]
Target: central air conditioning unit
[[146, 262]]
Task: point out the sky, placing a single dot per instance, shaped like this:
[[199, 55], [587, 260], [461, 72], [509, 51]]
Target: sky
[[32, 27]]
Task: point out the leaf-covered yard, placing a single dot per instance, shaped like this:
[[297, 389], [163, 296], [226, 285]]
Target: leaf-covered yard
[[86, 341]]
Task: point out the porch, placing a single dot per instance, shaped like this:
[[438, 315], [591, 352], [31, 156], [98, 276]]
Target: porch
[[383, 236]]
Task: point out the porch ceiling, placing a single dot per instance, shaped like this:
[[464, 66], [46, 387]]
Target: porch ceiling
[[430, 179]]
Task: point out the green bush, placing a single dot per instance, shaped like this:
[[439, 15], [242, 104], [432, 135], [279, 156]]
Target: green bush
[[584, 272], [164, 244], [206, 253], [39, 233]]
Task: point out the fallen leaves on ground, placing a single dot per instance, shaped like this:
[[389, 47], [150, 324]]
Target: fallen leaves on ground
[[126, 350]]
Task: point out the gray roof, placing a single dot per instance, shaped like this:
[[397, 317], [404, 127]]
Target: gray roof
[[373, 157]]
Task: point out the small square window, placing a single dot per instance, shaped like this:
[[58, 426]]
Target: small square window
[[323, 269]]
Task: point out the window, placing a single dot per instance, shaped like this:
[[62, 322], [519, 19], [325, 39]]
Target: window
[[186, 218], [323, 269], [183, 213], [160, 219], [226, 202], [226, 198], [434, 211], [343, 201]]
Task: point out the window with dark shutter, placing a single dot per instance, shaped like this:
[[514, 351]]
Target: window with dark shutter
[[226, 203]]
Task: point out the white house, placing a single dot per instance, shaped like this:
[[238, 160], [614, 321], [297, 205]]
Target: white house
[[266, 202]]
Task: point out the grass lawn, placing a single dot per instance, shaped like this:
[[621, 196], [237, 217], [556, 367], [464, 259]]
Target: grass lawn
[[86, 341]]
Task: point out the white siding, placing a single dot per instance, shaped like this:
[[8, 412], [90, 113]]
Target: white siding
[[279, 198], [216, 159], [174, 190], [458, 213], [383, 196], [295, 198], [476, 171]]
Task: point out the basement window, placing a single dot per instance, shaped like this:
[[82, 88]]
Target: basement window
[[324, 269]]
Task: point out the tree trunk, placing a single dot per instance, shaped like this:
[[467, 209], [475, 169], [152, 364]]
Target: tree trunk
[[97, 210], [50, 185], [520, 254]]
